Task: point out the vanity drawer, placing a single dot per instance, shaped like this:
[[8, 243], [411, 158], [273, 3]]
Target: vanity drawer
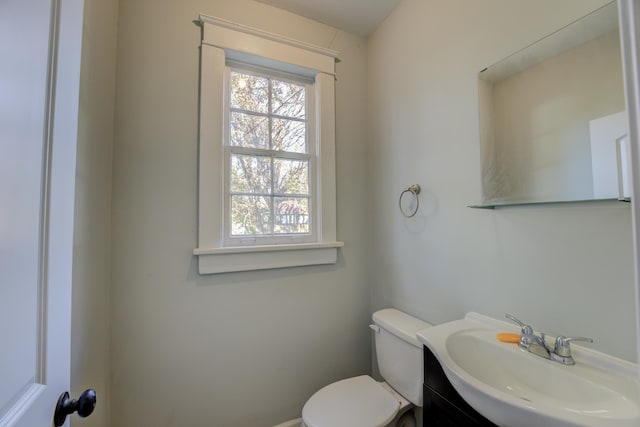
[[443, 406], [439, 412]]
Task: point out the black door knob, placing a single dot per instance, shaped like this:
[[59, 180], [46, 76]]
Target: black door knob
[[66, 406]]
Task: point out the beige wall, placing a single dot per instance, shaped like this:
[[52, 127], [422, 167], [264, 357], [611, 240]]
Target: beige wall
[[92, 230], [565, 269], [233, 349]]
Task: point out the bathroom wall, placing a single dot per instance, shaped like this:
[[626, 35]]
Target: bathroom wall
[[92, 230], [233, 349], [565, 269]]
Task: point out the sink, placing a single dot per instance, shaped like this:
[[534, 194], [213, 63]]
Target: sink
[[514, 388]]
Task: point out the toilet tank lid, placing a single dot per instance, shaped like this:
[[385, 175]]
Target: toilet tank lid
[[400, 324]]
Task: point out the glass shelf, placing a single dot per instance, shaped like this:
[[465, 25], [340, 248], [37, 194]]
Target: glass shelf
[[533, 203]]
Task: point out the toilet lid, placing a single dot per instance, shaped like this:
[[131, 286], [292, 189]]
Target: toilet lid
[[354, 402]]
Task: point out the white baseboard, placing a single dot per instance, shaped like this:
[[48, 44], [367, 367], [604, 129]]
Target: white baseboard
[[291, 423]]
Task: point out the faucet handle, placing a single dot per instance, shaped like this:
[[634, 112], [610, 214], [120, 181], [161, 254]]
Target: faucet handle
[[525, 329], [563, 348]]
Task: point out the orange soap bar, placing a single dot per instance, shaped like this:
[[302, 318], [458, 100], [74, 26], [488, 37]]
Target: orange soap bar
[[508, 337]]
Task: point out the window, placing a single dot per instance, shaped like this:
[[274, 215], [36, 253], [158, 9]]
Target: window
[[269, 158], [267, 151]]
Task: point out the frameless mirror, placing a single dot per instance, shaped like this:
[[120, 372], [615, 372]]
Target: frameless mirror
[[553, 124]]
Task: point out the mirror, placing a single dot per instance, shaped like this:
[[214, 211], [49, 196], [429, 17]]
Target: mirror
[[552, 118]]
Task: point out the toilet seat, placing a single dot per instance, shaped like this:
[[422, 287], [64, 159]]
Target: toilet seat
[[354, 402]]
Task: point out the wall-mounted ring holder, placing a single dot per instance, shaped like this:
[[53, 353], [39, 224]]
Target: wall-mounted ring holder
[[414, 204]]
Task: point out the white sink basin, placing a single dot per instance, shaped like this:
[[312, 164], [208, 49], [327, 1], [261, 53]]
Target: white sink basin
[[514, 388]]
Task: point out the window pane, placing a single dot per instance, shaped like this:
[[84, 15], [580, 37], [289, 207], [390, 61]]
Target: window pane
[[288, 99], [292, 215], [249, 92], [291, 176], [248, 130], [289, 135], [250, 174], [250, 215], [267, 114]]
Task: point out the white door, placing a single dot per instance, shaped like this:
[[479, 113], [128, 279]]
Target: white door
[[40, 42]]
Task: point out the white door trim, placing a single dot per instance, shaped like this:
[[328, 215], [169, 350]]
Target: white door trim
[[629, 14]]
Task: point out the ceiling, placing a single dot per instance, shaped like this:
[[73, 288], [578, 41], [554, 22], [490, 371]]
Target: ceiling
[[355, 16]]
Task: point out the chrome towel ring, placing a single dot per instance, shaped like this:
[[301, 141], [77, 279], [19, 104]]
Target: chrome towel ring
[[414, 190]]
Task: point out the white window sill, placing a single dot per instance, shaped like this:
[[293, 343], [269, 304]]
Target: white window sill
[[238, 258]]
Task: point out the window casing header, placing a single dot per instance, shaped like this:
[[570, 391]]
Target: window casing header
[[251, 45]]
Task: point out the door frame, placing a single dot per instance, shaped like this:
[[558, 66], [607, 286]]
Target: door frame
[[629, 18]]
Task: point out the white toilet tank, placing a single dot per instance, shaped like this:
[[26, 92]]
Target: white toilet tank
[[399, 352]]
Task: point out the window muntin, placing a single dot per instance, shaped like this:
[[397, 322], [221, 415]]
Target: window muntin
[[269, 158]]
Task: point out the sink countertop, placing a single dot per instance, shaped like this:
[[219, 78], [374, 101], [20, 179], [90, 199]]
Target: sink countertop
[[513, 388]]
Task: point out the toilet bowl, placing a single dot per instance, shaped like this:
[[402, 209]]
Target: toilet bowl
[[359, 401], [364, 402]]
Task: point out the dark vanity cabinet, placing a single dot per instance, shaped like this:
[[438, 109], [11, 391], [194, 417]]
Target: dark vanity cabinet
[[443, 406]]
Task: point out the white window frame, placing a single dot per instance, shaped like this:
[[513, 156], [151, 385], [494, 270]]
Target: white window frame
[[224, 41]]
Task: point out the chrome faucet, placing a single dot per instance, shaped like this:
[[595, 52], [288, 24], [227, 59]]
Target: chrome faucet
[[562, 350], [529, 341], [536, 344]]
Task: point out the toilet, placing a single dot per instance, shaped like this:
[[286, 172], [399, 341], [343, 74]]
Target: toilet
[[364, 402]]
